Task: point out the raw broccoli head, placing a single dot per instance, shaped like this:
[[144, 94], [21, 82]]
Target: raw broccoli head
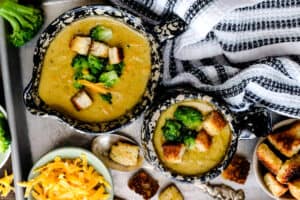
[[190, 117], [172, 130], [101, 33], [24, 20], [109, 78], [4, 134]]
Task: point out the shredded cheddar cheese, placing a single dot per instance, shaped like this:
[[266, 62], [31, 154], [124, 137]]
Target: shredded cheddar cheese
[[68, 179], [5, 184]]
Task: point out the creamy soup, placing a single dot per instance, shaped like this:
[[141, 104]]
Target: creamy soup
[[193, 162], [56, 84]]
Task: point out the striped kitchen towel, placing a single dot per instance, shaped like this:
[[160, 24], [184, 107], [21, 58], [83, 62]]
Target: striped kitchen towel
[[229, 48]]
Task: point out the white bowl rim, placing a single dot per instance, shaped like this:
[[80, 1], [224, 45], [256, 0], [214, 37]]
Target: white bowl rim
[[255, 160], [48, 157]]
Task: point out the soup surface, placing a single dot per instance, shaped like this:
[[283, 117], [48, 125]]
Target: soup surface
[[56, 84], [193, 161]]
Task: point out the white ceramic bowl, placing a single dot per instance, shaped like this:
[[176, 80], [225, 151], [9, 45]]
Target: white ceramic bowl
[[4, 156], [258, 168], [72, 153]]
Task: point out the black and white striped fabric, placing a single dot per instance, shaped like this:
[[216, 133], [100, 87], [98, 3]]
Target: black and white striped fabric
[[229, 49]]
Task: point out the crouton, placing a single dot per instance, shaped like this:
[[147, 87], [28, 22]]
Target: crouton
[[99, 49], [114, 55], [237, 170], [214, 124], [124, 153], [81, 100], [173, 152], [287, 141], [81, 45], [170, 193], [294, 188], [268, 158], [274, 186], [203, 141], [289, 170]]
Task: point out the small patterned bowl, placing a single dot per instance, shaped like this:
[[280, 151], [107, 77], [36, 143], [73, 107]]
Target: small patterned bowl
[[149, 125], [35, 104]]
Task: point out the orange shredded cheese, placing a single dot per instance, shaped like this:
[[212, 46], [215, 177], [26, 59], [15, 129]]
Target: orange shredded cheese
[[96, 87], [5, 184], [68, 179]]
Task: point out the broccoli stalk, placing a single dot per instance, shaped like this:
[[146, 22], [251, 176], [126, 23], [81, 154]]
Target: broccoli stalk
[[25, 21]]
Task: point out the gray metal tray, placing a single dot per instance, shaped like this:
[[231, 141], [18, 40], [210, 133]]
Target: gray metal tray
[[34, 136]]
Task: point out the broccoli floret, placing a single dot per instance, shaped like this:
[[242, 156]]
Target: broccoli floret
[[189, 141], [109, 78], [171, 130], [101, 33], [190, 117], [95, 64], [4, 134], [25, 21], [80, 62], [77, 85], [117, 67]]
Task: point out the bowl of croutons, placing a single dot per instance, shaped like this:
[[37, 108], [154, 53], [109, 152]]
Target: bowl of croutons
[[189, 136], [276, 161]]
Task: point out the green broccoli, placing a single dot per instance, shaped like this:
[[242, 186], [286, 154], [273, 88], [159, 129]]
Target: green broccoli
[[117, 67], [95, 64], [189, 117], [80, 62], [107, 97], [25, 21], [109, 78], [101, 33], [4, 136], [189, 141], [172, 130]]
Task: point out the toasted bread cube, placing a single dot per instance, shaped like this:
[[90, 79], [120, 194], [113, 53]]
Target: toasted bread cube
[[173, 152], [294, 188], [99, 49], [289, 170], [81, 45], [114, 55], [268, 158], [203, 141], [81, 100], [237, 170], [287, 141], [274, 186], [170, 193], [124, 153], [214, 124]]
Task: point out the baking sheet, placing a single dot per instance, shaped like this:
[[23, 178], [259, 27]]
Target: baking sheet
[[34, 136]]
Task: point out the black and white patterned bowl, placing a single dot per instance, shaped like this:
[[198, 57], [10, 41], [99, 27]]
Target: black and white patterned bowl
[[35, 104], [149, 125]]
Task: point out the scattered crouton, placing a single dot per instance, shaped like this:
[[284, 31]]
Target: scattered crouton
[[114, 55], [81, 100], [268, 158], [214, 124], [124, 153], [237, 170], [173, 152], [274, 186], [203, 141], [170, 193], [99, 49], [81, 45]]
